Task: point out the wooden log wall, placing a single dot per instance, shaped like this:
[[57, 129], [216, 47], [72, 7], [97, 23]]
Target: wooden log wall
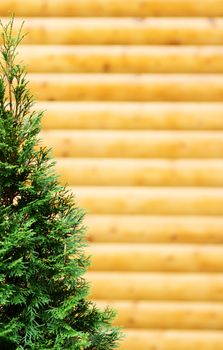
[[133, 93]]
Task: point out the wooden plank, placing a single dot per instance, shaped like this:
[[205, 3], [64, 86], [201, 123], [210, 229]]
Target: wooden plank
[[154, 229], [172, 340], [164, 315], [156, 257], [115, 31], [134, 144], [127, 87], [151, 201], [156, 286], [140, 172], [132, 115], [122, 59], [112, 8]]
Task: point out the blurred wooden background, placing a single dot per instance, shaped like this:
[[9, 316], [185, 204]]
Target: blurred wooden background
[[134, 98]]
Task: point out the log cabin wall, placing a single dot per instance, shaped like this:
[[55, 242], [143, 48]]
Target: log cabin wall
[[133, 92]]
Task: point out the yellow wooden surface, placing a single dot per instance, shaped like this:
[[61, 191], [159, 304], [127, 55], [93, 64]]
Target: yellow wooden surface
[[156, 258], [141, 172], [112, 8], [122, 59], [136, 144], [172, 340], [127, 87], [147, 200], [155, 229], [163, 315], [132, 115], [133, 93], [156, 286], [127, 31]]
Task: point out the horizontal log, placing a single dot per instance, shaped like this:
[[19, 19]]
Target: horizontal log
[[134, 144], [112, 8], [140, 172], [127, 87], [145, 200], [156, 257], [175, 315], [115, 31], [131, 115], [171, 340], [122, 59], [156, 286], [154, 229]]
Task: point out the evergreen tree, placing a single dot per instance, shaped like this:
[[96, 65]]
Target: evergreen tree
[[43, 296]]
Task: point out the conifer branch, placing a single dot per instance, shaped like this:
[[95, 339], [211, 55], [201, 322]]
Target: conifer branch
[[43, 296]]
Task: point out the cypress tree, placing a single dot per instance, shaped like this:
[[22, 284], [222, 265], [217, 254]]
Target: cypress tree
[[43, 295]]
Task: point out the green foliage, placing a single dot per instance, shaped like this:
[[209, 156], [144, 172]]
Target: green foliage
[[43, 293]]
